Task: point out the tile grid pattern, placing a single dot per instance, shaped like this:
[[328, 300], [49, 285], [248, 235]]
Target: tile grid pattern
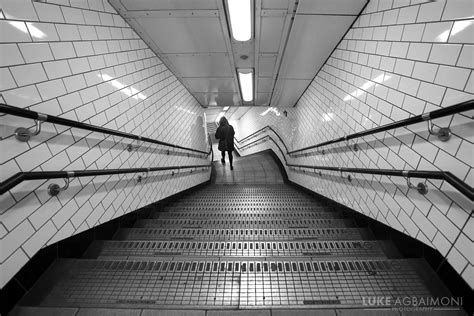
[[238, 283], [80, 60], [401, 58]]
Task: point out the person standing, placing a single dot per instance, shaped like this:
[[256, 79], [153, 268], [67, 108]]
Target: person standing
[[225, 135]]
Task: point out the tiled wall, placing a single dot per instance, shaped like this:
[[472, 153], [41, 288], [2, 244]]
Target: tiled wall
[[401, 58], [80, 60]]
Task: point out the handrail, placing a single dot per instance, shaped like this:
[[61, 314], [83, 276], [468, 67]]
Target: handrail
[[266, 136], [254, 133], [259, 131], [460, 185], [8, 109], [39, 175], [457, 183], [450, 110]]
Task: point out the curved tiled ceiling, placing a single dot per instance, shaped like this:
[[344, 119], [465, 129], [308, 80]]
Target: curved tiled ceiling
[[291, 41]]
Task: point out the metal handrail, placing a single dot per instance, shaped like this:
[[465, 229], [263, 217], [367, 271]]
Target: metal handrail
[[266, 136], [450, 110], [253, 134], [457, 183], [259, 131], [44, 175], [40, 117]]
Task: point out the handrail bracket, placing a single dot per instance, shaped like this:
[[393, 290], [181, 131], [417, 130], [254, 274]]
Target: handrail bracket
[[24, 134], [54, 189], [421, 187], [443, 133]]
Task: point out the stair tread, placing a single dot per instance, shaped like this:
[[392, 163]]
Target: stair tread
[[242, 234], [235, 247], [254, 224], [338, 283], [307, 249]]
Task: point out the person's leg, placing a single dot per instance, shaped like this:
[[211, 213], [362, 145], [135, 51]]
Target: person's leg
[[223, 156], [231, 158]]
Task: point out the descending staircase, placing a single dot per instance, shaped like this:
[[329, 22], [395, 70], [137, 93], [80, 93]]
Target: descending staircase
[[238, 246], [211, 130]]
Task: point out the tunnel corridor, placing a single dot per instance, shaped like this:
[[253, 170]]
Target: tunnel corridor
[[352, 187]]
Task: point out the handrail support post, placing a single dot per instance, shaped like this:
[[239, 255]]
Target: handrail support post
[[54, 189], [24, 134], [131, 147], [443, 133], [421, 187]]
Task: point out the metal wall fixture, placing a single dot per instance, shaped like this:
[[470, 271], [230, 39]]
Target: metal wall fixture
[[54, 189], [143, 177], [421, 187], [131, 147], [443, 133], [24, 134]]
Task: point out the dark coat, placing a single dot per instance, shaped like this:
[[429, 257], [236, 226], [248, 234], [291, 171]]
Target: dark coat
[[225, 135]]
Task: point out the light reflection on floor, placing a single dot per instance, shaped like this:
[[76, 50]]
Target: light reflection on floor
[[256, 169]]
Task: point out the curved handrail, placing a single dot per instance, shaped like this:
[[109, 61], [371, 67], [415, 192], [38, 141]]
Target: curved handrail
[[44, 175], [253, 134], [8, 109], [457, 183], [450, 110], [266, 136], [259, 131]]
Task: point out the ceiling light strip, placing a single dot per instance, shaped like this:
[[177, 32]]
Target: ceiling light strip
[[246, 84], [240, 13]]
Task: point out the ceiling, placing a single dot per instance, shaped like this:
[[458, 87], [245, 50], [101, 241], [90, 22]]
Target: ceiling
[[292, 39]]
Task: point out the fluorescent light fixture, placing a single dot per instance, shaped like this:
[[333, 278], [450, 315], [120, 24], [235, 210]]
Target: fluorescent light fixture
[[246, 84], [240, 19], [226, 108]]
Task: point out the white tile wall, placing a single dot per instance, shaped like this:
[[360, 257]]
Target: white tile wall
[[425, 56], [80, 60]]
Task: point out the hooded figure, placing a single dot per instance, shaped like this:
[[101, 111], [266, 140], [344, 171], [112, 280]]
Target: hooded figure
[[225, 135]]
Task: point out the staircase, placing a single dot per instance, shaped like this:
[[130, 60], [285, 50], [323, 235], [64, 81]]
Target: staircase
[[211, 130], [264, 248]]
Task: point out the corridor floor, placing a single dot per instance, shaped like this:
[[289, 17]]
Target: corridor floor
[[247, 245], [256, 169]]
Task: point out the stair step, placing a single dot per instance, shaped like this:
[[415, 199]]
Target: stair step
[[243, 224], [200, 311], [247, 201], [226, 284], [195, 215], [293, 234], [308, 249], [247, 209]]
